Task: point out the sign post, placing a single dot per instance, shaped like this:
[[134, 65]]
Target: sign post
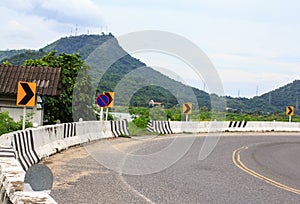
[[187, 110], [101, 114], [289, 111], [106, 114], [26, 95], [24, 118]]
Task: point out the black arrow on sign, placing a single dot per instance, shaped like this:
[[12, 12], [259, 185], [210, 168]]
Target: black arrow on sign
[[290, 110], [109, 97], [188, 108], [28, 96]]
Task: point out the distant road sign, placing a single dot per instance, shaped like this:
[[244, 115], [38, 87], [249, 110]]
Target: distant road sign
[[289, 110], [187, 108], [102, 100], [110, 96], [26, 94]]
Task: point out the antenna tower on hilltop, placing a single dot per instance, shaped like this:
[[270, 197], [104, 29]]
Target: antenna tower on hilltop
[[76, 29], [256, 90]]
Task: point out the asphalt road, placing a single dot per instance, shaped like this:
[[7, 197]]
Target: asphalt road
[[220, 178]]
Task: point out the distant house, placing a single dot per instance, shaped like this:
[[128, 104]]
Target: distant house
[[47, 79], [153, 103]]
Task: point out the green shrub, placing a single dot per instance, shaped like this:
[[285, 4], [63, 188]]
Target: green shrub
[[7, 124]]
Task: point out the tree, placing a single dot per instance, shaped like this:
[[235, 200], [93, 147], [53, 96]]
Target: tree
[[6, 62], [60, 108], [7, 123]]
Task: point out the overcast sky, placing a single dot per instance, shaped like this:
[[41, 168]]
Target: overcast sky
[[254, 44]]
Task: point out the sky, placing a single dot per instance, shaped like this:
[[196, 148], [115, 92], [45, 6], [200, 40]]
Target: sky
[[253, 44]]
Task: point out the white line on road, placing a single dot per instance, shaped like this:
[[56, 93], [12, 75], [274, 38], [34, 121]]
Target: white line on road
[[134, 190]]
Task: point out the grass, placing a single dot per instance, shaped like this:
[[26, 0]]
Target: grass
[[136, 131]]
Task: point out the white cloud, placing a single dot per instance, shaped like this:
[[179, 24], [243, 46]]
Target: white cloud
[[84, 12], [245, 72], [249, 41], [256, 63], [244, 76], [33, 24], [18, 5]]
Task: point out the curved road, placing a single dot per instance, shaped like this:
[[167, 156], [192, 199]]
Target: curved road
[[220, 178]]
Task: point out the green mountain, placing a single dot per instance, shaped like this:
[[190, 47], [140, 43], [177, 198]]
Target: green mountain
[[139, 83], [20, 58], [272, 102], [136, 82], [287, 95], [5, 55], [83, 44]]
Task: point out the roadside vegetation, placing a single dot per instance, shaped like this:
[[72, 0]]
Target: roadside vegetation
[[7, 123]]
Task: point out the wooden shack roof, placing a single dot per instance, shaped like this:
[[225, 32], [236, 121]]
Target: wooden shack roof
[[47, 79]]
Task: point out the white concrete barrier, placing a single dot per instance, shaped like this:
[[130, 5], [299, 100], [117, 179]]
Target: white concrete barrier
[[12, 182], [272, 126], [198, 127], [284, 126], [33, 144], [189, 127], [93, 130], [51, 139], [23, 144], [161, 127], [230, 126]]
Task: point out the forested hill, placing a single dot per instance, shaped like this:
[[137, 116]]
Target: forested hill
[[86, 44], [83, 44], [4, 55], [272, 102], [287, 95]]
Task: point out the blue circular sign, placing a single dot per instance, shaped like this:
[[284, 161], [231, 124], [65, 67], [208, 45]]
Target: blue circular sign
[[102, 100]]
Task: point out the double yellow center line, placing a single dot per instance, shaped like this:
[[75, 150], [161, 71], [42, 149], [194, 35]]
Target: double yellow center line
[[236, 158]]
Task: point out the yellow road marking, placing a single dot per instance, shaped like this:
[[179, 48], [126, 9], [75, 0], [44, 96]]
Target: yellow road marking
[[236, 158]]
